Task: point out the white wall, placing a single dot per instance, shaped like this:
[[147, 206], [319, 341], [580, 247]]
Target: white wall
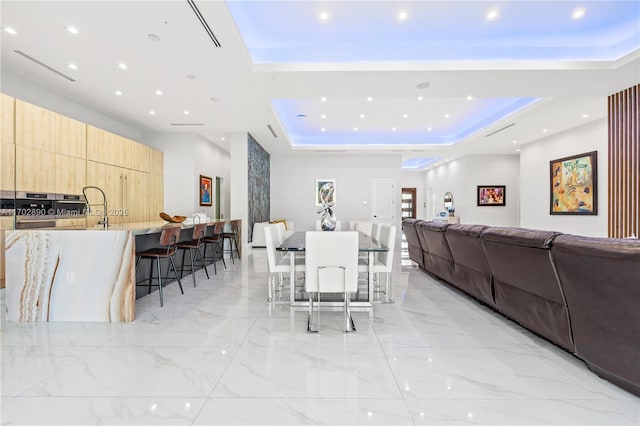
[[239, 201], [186, 157], [462, 176], [37, 95], [415, 180], [534, 175], [293, 179]]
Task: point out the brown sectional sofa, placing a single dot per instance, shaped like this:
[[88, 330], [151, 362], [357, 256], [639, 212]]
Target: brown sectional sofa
[[411, 233], [525, 285], [581, 293], [471, 271], [601, 281]]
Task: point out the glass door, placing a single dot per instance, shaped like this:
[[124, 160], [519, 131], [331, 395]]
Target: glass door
[[408, 203]]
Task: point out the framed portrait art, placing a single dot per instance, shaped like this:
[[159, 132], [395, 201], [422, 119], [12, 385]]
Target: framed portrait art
[[574, 185], [491, 195], [325, 188], [205, 191]]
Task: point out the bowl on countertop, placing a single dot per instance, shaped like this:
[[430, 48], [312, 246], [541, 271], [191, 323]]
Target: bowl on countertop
[[172, 219]]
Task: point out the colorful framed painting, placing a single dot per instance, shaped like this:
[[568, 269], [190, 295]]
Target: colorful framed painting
[[205, 190], [325, 190], [492, 195], [574, 185]]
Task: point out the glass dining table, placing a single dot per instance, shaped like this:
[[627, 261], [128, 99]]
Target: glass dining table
[[362, 298]]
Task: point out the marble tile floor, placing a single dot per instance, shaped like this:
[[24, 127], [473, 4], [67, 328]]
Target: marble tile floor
[[221, 355]]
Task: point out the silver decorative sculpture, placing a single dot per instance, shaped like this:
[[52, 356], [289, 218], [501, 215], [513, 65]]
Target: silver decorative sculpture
[[328, 218]]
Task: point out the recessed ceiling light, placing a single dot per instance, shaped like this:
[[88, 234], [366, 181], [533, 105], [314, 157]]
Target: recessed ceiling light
[[222, 138], [191, 76], [355, 129], [323, 129], [518, 150], [544, 130], [420, 98], [122, 66], [361, 115], [393, 129], [323, 99], [324, 16], [514, 141], [429, 128], [72, 66], [585, 115], [10, 30], [492, 15], [369, 99], [578, 13], [405, 115], [186, 112], [447, 115], [402, 15], [159, 92], [469, 98], [152, 112], [118, 93], [323, 116], [73, 30], [153, 37]]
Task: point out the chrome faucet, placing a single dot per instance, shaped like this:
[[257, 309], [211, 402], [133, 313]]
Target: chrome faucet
[[105, 219]]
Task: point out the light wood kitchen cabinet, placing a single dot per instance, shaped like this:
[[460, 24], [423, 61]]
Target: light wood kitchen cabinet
[[71, 174], [71, 137], [135, 196], [75, 223], [109, 179], [7, 119], [35, 127], [102, 146], [35, 170], [7, 166], [156, 196], [156, 162]]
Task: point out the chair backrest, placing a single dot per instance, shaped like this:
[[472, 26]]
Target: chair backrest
[[375, 231], [331, 261], [280, 231], [387, 238], [270, 236], [170, 235], [198, 231], [364, 227], [218, 228]]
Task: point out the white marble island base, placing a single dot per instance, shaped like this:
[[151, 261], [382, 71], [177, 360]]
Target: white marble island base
[[83, 275]]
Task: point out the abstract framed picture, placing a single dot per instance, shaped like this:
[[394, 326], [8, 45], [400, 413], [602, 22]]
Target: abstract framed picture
[[492, 195], [205, 190], [325, 190], [574, 185]]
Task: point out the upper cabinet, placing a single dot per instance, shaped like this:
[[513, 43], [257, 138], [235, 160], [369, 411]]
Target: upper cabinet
[[108, 148], [71, 137], [35, 127], [7, 119]]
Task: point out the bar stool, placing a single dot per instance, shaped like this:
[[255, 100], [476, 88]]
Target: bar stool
[[216, 240], [168, 239], [193, 246], [233, 239]]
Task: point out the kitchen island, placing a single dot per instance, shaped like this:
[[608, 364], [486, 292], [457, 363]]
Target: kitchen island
[[77, 274]]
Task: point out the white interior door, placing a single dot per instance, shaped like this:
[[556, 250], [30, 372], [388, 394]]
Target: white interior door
[[383, 200]]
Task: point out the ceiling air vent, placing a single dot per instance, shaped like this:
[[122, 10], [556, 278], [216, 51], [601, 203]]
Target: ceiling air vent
[[272, 131], [31, 58], [204, 23], [187, 124], [499, 130]]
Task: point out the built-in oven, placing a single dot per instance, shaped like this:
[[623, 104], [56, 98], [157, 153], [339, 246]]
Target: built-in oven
[[70, 206], [7, 203], [35, 210]]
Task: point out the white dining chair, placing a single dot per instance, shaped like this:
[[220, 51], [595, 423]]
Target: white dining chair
[[277, 265], [364, 227], [375, 231], [383, 263], [331, 266]]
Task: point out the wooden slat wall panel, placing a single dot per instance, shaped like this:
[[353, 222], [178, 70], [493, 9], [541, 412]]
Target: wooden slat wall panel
[[624, 163]]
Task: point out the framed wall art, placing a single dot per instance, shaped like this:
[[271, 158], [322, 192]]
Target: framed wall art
[[574, 185], [205, 190], [325, 188], [492, 195]]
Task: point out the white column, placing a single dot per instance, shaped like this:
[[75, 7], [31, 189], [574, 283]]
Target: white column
[[239, 185]]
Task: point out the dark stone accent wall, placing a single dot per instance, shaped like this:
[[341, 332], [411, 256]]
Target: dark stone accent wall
[[259, 184]]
